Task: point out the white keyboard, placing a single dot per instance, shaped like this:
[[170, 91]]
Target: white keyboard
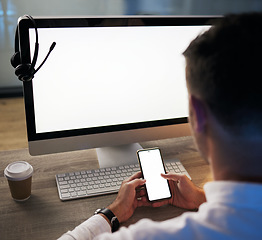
[[102, 181]]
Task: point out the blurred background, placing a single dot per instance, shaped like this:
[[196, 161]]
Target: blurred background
[[12, 114], [10, 10]]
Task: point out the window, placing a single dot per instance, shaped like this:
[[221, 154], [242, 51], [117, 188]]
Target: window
[[10, 10]]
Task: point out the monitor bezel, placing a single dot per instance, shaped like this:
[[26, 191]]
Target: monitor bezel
[[105, 21]]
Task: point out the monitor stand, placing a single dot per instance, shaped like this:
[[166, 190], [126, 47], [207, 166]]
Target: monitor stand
[[117, 155]]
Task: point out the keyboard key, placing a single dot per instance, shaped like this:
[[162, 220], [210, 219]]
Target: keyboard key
[[61, 175], [63, 183], [65, 186], [74, 194], [65, 195], [81, 193]]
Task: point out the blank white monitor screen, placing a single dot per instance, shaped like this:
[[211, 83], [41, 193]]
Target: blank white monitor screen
[[104, 76]]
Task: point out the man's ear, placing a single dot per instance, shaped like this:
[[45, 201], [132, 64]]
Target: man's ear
[[198, 113]]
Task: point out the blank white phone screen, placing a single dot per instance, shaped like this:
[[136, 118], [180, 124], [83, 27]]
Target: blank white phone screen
[[152, 166]]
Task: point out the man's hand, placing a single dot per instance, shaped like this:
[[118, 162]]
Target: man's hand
[[184, 193], [129, 197]]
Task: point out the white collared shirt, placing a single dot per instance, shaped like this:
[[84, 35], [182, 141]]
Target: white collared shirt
[[233, 211]]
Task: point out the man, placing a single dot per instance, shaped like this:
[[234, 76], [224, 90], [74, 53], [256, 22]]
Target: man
[[224, 83]]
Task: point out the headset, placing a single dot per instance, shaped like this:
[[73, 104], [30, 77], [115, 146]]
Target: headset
[[26, 71]]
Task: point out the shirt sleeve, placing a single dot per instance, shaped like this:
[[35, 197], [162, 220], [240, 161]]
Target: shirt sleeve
[[97, 228], [89, 229]]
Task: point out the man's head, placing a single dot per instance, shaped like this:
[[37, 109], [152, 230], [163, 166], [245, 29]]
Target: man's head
[[224, 67], [224, 81]]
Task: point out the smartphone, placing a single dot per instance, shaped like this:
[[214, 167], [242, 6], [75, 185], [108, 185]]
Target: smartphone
[[152, 165]]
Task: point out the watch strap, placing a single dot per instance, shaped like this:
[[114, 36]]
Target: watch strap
[[111, 217]]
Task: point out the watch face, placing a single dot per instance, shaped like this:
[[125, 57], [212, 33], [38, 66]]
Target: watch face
[[115, 224]]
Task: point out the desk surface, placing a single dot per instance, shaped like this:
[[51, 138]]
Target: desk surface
[[44, 216]]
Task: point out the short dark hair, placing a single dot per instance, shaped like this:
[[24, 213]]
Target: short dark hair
[[224, 68]]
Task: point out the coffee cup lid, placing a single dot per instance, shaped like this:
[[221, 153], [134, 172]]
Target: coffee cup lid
[[18, 171]]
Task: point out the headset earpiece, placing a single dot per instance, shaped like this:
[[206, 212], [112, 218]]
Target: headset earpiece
[[15, 59], [23, 72]]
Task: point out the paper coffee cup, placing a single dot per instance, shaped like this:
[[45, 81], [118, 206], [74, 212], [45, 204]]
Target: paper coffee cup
[[19, 176]]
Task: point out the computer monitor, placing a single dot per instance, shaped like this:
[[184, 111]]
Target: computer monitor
[[109, 81]]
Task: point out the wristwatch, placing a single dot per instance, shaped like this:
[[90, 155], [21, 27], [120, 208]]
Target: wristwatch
[[110, 216]]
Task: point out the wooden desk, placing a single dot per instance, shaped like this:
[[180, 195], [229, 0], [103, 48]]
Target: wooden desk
[[44, 216]]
